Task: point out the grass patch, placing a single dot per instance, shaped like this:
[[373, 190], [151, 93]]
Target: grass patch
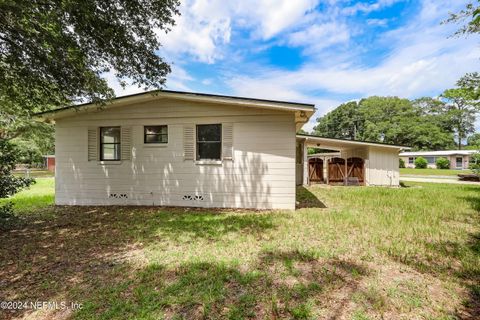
[[433, 172], [38, 196], [350, 252]]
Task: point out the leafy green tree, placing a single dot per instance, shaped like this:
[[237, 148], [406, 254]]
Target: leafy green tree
[[421, 124], [344, 122], [475, 163], [421, 163], [53, 53], [474, 140], [470, 15], [463, 107], [401, 163]]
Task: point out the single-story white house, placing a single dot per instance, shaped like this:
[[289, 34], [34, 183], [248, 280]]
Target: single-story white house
[[175, 148], [459, 159]]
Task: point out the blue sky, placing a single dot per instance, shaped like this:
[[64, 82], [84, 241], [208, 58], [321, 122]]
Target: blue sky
[[323, 52]]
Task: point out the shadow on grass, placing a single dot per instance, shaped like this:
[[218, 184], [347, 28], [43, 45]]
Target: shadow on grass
[[208, 290], [306, 199], [73, 250]]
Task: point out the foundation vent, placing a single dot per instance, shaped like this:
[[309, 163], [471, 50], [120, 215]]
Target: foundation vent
[[193, 197], [118, 196]]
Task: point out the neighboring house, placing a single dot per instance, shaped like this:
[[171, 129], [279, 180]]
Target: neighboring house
[[186, 149], [49, 162], [459, 159]]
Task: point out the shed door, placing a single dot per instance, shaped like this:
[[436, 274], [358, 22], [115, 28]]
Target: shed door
[[356, 169], [315, 170], [336, 170]]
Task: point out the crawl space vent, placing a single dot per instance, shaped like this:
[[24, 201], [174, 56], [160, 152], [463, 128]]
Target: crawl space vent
[[118, 196], [191, 197]]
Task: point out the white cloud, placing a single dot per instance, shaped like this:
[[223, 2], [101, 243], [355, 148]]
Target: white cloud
[[198, 33], [205, 26], [368, 7], [422, 61], [377, 22], [320, 36]]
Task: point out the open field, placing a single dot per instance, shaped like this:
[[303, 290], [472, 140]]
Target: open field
[[348, 253], [432, 172]]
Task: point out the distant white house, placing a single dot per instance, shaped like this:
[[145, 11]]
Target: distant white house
[[459, 159], [188, 149]]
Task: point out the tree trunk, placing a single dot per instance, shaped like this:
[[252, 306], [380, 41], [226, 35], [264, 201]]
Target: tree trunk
[[459, 141]]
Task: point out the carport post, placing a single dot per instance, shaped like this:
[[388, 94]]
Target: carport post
[[306, 180]]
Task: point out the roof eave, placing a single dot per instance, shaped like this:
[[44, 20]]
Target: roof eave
[[353, 142], [304, 110]]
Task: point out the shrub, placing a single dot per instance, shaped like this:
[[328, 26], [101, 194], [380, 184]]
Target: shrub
[[475, 163], [420, 163], [401, 163], [442, 163], [9, 184]]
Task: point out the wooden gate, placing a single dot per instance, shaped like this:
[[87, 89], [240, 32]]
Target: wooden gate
[[356, 169], [315, 170], [336, 170]]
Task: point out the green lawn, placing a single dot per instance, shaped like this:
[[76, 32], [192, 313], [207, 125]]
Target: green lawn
[[433, 172], [372, 253]]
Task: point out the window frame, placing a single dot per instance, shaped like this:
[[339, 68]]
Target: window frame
[[197, 155], [432, 158], [101, 144], [159, 134], [411, 160]]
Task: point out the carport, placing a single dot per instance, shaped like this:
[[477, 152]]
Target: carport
[[346, 162]]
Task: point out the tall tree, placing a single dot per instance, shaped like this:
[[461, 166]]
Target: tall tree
[[463, 106], [53, 53], [343, 122], [420, 124]]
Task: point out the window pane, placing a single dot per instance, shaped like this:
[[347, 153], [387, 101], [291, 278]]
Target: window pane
[[209, 132], [430, 160], [156, 134], [209, 150], [110, 135], [111, 152]]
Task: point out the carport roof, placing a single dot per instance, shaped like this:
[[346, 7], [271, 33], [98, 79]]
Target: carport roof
[[338, 144]]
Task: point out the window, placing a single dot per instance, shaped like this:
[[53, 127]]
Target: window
[[411, 160], [430, 160], [155, 134], [209, 141], [109, 143]]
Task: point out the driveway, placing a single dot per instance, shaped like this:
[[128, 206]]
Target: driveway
[[436, 179]]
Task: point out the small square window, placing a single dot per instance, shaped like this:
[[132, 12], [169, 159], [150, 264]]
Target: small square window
[[155, 134]]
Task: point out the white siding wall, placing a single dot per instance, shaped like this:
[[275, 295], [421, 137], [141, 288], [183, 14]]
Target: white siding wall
[[261, 175], [382, 167]]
